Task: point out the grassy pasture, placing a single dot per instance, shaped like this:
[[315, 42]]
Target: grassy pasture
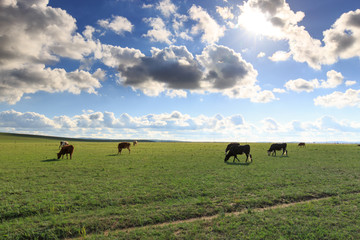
[[98, 193]]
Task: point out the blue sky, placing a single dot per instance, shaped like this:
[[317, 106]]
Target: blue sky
[[219, 70]]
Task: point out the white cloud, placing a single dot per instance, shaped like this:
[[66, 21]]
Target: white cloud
[[211, 31], [166, 7], [30, 38], [114, 56], [350, 83], [300, 85], [34, 78], [334, 79], [28, 120], [178, 126], [147, 5], [279, 90], [280, 56], [118, 24], [349, 98], [261, 55], [158, 33], [225, 12]]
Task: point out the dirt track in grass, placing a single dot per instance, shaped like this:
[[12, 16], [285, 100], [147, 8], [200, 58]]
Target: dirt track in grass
[[209, 218]]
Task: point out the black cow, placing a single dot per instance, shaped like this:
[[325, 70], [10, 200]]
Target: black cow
[[230, 145], [238, 149], [277, 147]]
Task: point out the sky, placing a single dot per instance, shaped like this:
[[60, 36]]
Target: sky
[[206, 70]]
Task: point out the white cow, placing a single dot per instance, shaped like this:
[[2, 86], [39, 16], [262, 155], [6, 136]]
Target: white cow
[[63, 143]]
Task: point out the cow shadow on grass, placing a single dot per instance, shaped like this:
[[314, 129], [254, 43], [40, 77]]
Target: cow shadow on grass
[[51, 160], [239, 163], [112, 155]]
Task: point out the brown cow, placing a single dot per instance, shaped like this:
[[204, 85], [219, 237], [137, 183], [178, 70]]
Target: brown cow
[[123, 145], [134, 143], [67, 149], [302, 144]]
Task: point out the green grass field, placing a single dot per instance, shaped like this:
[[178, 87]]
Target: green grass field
[[101, 195]]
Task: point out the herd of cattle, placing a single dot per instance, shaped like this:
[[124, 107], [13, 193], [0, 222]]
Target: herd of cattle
[[232, 149], [66, 148]]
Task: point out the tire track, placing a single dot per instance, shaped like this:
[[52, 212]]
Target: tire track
[[209, 218], [236, 213]]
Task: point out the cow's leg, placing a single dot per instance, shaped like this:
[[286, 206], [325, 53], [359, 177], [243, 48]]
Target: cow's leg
[[247, 157], [129, 149]]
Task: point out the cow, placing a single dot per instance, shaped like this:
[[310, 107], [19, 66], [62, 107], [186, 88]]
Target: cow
[[277, 147], [67, 149], [63, 143], [238, 149], [302, 144], [123, 145], [230, 145], [134, 143]]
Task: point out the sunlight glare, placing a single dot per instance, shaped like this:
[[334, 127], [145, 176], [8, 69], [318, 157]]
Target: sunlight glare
[[254, 21]]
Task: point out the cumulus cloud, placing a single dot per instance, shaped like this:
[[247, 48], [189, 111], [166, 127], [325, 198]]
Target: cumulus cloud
[[261, 55], [15, 83], [174, 69], [30, 38], [90, 122], [349, 98], [27, 120], [211, 31], [118, 24], [166, 7], [350, 83], [178, 126], [300, 85], [334, 79], [277, 21], [280, 56], [158, 33], [225, 12]]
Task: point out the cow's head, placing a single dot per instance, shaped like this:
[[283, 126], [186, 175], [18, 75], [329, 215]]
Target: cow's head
[[269, 152], [58, 155]]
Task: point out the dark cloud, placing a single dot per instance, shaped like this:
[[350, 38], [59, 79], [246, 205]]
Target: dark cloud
[[278, 22], [173, 66], [270, 6], [344, 41], [354, 20]]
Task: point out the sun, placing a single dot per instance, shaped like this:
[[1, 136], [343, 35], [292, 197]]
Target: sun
[[256, 22]]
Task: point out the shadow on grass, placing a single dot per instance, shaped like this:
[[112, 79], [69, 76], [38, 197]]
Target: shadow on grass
[[51, 160], [239, 163], [112, 155]]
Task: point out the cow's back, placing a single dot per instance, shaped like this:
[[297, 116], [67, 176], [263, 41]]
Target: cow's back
[[230, 145], [67, 149], [123, 145]]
